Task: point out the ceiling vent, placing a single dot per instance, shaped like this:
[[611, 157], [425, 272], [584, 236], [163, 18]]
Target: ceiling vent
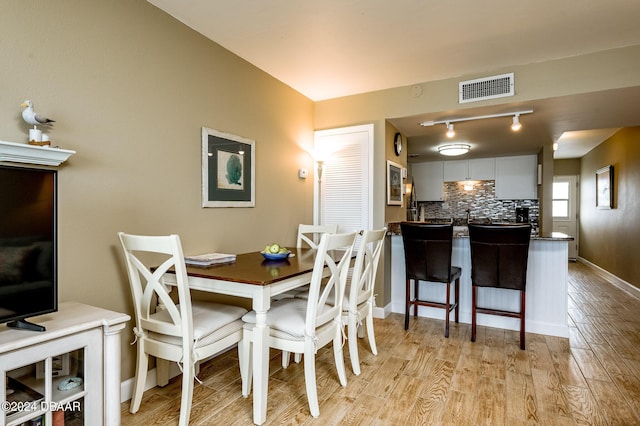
[[497, 86]]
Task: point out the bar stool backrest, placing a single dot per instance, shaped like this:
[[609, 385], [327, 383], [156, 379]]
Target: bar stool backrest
[[499, 255], [427, 251]]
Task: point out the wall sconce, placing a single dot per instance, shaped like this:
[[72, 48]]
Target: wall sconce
[[407, 188]]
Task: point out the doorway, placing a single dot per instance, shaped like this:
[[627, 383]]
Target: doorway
[[344, 189], [565, 211]]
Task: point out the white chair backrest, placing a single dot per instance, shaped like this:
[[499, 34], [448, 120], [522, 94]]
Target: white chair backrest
[[147, 286], [320, 310], [310, 234], [366, 266]]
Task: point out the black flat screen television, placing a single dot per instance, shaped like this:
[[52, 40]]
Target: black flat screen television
[[28, 245]]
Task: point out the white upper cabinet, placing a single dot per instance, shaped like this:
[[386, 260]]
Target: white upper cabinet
[[516, 177], [477, 169], [456, 170], [428, 181], [482, 169]]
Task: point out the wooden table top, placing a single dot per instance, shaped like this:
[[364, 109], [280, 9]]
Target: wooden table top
[[252, 268]]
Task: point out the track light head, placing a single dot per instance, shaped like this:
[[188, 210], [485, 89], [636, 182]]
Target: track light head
[[516, 123], [450, 132]]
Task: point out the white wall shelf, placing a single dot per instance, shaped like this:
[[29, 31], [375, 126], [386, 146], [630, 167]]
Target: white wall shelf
[[33, 154]]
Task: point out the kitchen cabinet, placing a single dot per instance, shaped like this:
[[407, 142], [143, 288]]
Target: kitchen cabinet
[[428, 180], [476, 169], [516, 177]]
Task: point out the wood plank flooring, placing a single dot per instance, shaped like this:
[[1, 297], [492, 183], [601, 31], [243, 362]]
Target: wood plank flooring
[[421, 378]]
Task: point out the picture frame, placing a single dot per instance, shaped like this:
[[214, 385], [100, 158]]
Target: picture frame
[[228, 170], [604, 187], [394, 184]]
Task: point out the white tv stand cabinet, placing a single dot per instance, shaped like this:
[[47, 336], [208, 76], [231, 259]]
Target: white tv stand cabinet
[[79, 341]]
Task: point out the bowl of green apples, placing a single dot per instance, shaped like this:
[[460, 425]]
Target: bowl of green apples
[[275, 252]]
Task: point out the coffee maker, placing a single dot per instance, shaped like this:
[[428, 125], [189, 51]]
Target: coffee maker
[[522, 214]]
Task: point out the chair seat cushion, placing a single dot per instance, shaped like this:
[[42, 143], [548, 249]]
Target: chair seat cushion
[[345, 299], [286, 316], [211, 322]]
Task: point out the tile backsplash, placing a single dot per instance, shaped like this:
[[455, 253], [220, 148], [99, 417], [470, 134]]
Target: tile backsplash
[[481, 202]]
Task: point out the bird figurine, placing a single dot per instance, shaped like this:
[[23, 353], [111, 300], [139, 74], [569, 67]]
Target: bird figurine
[[31, 117]]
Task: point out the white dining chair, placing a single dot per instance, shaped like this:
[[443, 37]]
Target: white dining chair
[[359, 298], [308, 236], [185, 331], [304, 326]]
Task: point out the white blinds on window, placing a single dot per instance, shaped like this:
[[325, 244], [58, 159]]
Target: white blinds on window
[[347, 177]]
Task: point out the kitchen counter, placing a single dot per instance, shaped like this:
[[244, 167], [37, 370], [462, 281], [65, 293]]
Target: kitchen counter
[[393, 228], [547, 285]]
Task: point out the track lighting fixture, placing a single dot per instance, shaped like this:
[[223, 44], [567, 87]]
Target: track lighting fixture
[[515, 126]]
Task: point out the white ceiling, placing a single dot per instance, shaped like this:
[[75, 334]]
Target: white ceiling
[[332, 48]]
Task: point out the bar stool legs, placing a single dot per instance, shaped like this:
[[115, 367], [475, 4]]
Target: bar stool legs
[[448, 306]]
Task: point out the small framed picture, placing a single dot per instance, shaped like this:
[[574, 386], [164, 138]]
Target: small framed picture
[[394, 184], [228, 170], [604, 187]]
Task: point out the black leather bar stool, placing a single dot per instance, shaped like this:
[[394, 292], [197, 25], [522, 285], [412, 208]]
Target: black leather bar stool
[[499, 255], [427, 256]]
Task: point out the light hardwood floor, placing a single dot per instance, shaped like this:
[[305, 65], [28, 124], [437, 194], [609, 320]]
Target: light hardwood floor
[[421, 378]]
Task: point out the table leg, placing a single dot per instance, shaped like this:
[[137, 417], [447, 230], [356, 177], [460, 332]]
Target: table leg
[[261, 304]]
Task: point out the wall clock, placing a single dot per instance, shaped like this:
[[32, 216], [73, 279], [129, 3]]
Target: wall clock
[[397, 143]]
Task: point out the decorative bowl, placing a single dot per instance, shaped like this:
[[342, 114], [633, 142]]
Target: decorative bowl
[[275, 256]]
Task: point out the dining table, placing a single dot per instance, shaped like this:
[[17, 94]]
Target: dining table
[[253, 277]]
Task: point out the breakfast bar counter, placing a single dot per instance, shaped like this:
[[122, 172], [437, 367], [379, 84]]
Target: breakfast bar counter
[[547, 285]]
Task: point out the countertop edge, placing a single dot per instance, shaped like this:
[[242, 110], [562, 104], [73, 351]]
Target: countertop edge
[[394, 229]]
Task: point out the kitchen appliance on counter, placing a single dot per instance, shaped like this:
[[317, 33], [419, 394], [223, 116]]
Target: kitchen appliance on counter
[[522, 214]]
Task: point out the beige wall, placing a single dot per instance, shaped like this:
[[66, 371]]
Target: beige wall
[[611, 238], [130, 88], [394, 213], [566, 167]]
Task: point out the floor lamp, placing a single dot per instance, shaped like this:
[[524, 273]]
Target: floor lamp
[[320, 170]]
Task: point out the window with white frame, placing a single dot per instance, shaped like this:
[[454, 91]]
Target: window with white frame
[[561, 193]]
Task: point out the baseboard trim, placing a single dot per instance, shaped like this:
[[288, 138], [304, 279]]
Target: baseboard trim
[[382, 313], [126, 387], [623, 285]]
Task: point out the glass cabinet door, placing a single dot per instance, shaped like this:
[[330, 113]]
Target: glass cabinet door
[[44, 386]]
